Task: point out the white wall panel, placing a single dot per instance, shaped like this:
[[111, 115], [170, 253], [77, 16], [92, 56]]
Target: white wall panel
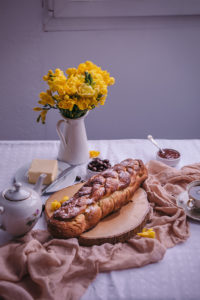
[[156, 65]]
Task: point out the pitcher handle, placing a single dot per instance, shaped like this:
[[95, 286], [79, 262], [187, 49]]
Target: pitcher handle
[[59, 131]]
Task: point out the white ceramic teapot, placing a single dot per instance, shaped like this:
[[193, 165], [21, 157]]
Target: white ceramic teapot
[[20, 207]]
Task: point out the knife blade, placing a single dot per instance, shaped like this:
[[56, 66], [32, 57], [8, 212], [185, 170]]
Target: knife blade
[[46, 189]]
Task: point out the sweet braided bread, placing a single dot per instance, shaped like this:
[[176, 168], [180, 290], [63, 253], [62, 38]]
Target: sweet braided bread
[[101, 195]]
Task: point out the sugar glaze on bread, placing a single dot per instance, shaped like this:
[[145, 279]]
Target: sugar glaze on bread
[[101, 195]]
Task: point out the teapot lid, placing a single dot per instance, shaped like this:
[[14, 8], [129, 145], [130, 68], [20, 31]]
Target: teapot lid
[[17, 193]]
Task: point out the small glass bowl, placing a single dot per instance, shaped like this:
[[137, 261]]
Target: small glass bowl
[[91, 173], [170, 161]]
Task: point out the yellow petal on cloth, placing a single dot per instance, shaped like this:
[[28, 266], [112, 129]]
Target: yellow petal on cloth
[[150, 233], [94, 153]]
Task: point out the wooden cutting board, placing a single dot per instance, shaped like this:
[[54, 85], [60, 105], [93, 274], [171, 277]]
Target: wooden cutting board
[[117, 227]]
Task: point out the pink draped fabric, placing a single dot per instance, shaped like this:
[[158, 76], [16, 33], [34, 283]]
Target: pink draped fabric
[[40, 267]]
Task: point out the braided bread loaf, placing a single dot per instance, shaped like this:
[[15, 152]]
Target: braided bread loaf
[[101, 195]]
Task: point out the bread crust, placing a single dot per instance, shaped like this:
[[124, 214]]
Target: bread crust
[[100, 196]]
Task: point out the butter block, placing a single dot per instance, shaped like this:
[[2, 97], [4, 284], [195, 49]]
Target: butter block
[[43, 166]]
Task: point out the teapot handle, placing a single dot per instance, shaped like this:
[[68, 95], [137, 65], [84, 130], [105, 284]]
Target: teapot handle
[[1, 212], [59, 131]]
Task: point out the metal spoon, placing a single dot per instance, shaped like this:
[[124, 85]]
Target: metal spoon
[[151, 139]]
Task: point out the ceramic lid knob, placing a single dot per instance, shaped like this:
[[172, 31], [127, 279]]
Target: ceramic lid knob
[[17, 193]]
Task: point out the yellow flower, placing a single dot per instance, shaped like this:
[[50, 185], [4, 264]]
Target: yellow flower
[[55, 205], [49, 74], [94, 153], [82, 68], [37, 108], [83, 103], [112, 81], [56, 81], [59, 73], [150, 233], [71, 71], [57, 97], [102, 100], [43, 115], [67, 104], [46, 99], [84, 88]]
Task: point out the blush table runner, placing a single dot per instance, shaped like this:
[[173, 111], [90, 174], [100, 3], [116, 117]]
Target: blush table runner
[[39, 267]]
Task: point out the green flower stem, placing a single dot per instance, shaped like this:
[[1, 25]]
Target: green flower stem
[[74, 114], [88, 78]]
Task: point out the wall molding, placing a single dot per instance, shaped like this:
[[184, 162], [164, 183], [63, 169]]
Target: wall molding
[[62, 15]]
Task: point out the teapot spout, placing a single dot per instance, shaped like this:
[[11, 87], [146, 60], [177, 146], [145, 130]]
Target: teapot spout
[[39, 183], [1, 212]]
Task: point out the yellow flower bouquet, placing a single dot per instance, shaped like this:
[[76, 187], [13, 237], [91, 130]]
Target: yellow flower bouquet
[[73, 95]]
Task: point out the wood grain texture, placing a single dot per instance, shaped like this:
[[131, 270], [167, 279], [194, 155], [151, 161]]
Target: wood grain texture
[[117, 227]]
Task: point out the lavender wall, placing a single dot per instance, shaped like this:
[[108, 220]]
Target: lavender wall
[[157, 71]]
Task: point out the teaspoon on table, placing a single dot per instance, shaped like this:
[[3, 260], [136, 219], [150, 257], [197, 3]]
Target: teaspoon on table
[[151, 139]]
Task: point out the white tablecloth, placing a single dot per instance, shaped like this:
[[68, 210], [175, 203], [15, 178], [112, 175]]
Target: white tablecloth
[[177, 276]]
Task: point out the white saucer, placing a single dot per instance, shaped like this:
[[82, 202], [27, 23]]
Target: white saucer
[[182, 202], [21, 175]]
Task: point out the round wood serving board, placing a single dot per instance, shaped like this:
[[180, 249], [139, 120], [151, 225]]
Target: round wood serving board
[[117, 227]]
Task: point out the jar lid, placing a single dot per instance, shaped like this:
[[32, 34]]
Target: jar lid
[[17, 193]]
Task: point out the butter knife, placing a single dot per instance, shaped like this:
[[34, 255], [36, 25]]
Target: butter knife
[[45, 190]]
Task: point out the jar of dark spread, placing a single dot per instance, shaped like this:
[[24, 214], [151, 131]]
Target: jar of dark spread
[[169, 154], [169, 157]]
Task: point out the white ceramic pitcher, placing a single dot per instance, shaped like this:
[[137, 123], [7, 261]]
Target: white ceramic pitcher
[[73, 141]]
